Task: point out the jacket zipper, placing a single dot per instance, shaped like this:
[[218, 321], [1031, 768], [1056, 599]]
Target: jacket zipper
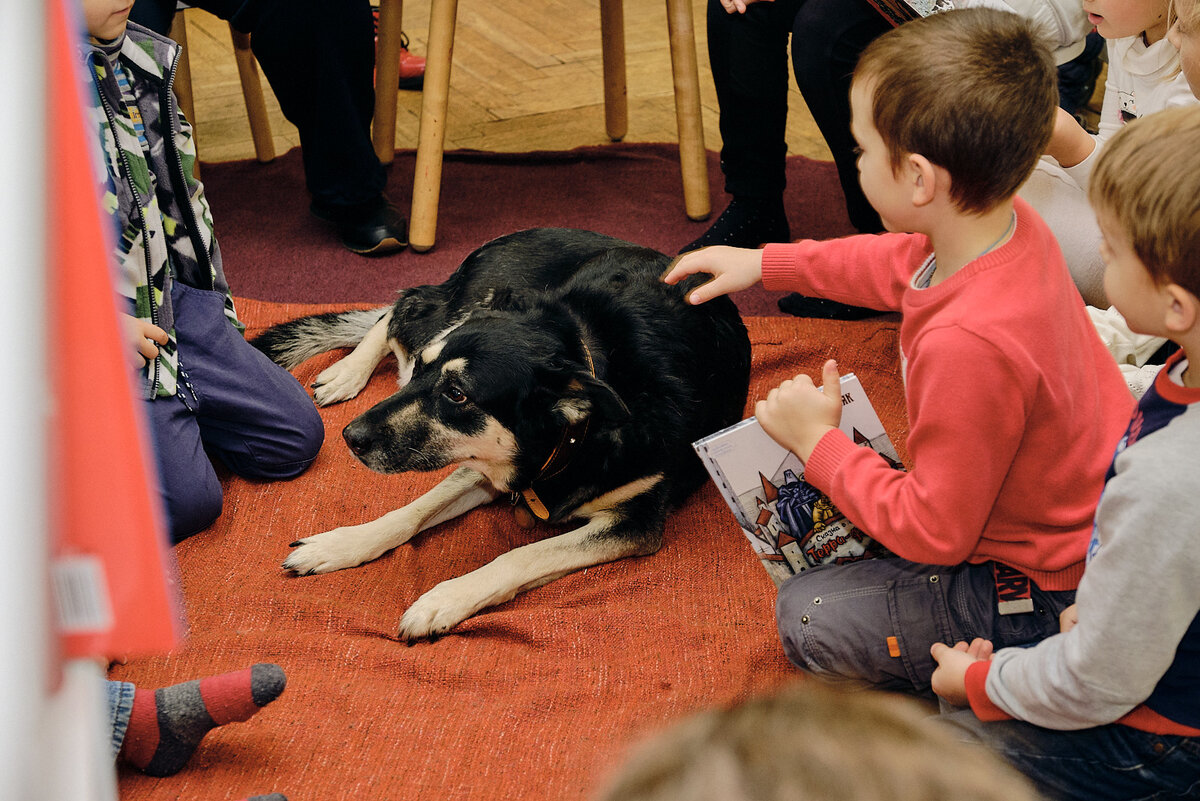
[[112, 124]]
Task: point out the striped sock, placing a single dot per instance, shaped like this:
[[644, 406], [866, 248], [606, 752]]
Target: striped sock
[[167, 724]]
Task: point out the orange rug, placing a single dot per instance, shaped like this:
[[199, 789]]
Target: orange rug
[[538, 698]]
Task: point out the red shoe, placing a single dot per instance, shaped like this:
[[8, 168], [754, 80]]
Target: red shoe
[[412, 68]]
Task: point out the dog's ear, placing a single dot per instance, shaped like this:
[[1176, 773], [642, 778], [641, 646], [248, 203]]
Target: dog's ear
[[587, 396]]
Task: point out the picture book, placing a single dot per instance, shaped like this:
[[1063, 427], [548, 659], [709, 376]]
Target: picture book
[[790, 524], [897, 12]]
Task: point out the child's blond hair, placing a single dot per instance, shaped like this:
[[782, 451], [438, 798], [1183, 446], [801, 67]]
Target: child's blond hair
[[974, 91], [815, 743], [1185, 13], [1148, 178]]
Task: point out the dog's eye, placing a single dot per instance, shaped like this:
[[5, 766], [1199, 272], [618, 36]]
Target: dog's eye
[[454, 395]]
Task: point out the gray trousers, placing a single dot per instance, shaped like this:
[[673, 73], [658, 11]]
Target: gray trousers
[[872, 622]]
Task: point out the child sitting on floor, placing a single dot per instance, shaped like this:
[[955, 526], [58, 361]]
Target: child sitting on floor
[[1110, 708], [206, 388], [1013, 402]]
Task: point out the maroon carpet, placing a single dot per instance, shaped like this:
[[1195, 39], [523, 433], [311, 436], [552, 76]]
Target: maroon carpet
[[275, 250]]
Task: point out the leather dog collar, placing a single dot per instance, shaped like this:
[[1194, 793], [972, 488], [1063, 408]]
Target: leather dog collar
[[560, 457]]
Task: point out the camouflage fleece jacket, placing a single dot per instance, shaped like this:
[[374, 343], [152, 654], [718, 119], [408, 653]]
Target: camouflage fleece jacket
[[161, 220]]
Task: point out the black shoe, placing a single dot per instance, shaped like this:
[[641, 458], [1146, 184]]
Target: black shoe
[[746, 223], [799, 305], [370, 229]]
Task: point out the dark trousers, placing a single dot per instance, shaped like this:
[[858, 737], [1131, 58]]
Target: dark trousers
[[319, 57], [234, 403], [748, 54]]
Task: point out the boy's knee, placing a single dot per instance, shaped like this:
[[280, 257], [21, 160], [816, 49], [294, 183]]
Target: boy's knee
[[803, 618], [192, 507], [294, 446]]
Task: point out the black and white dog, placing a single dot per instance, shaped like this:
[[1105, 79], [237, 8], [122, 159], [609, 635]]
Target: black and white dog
[[553, 365]]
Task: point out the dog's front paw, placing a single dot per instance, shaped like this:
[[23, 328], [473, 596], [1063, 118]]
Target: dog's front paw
[[349, 546], [339, 382], [438, 611]]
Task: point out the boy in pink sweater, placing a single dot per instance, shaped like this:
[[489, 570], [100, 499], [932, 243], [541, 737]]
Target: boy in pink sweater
[[1014, 404]]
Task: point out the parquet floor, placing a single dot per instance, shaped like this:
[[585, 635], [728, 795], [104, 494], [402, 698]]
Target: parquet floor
[[525, 76]]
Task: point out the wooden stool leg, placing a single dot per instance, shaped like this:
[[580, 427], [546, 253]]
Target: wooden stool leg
[[612, 51], [693, 160], [252, 92], [387, 79], [435, 98]]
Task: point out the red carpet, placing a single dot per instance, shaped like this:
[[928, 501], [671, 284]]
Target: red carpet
[[537, 699], [275, 250]]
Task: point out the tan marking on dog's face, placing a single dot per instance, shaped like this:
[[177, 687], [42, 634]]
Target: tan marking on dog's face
[[434, 349], [458, 365], [491, 453], [608, 500]]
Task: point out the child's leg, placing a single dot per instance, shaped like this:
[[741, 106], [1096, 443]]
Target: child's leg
[[252, 413], [1105, 762], [872, 622], [187, 483]]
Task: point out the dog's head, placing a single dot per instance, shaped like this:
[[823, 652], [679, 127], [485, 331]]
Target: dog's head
[[494, 393]]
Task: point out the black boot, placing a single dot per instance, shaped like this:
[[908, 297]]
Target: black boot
[[368, 229], [746, 223]]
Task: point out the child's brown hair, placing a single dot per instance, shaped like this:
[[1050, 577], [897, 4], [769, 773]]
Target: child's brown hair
[[1148, 178], [815, 743], [973, 90]]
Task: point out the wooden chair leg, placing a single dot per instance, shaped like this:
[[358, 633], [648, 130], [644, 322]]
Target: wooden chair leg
[[252, 92], [435, 98], [183, 80], [612, 51], [387, 79], [693, 160]]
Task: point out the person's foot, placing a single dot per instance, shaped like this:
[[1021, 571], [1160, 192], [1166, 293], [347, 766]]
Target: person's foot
[[412, 68], [166, 725], [799, 305], [368, 229], [746, 223]]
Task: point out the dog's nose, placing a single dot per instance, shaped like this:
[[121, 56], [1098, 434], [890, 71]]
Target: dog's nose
[[355, 438]]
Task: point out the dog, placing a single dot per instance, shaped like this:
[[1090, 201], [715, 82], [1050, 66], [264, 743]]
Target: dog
[[553, 366]]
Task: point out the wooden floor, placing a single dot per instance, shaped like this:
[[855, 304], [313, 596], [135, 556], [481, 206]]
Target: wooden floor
[[525, 76]]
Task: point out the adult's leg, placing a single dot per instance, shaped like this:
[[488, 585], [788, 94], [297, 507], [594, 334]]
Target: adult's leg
[[748, 57], [1097, 764], [320, 61], [251, 412], [827, 38], [872, 622]]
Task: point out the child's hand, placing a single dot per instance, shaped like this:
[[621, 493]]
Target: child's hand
[[1067, 618], [796, 414], [732, 269], [142, 337], [738, 6], [950, 676]]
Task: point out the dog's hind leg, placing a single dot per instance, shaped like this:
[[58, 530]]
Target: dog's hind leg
[[350, 546], [346, 377]]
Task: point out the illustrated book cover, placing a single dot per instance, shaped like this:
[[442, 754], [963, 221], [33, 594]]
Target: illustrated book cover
[[790, 524]]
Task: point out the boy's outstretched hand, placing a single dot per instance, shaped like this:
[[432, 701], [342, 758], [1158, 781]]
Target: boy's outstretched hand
[[732, 269], [950, 676], [796, 414]]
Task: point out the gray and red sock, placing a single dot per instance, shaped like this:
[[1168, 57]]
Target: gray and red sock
[[167, 724]]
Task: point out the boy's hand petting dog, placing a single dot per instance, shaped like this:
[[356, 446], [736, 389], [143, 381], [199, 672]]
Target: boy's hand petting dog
[[950, 676], [732, 270], [797, 414], [143, 337]]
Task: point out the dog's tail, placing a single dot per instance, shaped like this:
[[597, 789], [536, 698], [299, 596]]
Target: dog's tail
[[288, 344]]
